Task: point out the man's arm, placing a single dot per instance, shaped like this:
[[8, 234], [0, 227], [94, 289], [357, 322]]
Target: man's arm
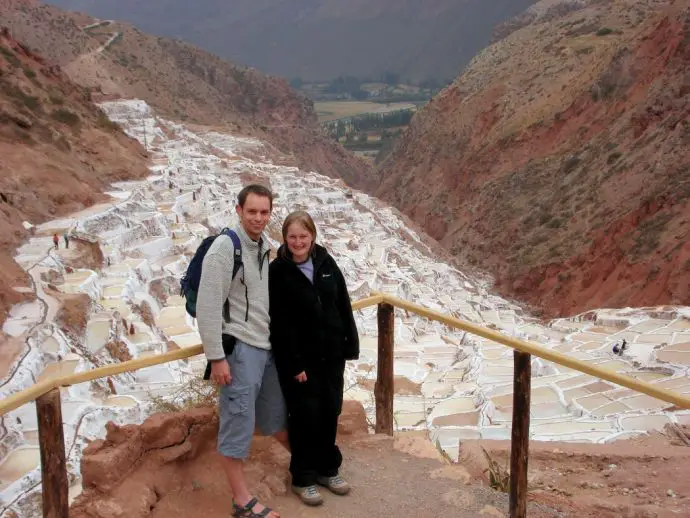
[[216, 276]]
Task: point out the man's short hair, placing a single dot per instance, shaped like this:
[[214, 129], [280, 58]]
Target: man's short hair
[[257, 189]]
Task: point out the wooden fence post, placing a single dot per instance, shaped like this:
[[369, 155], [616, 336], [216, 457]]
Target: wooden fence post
[[519, 445], [383, 390], [53, 465]]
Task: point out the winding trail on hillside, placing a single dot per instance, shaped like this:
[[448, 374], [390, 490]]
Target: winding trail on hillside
[[89, 61]]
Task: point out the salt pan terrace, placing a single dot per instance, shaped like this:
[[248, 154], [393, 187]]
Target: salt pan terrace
[[450, 383]]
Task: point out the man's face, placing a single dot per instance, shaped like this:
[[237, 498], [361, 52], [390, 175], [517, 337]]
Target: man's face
[[255, 214]]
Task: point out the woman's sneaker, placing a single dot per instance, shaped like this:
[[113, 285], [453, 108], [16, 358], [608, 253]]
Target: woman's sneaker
[[309, 495], [336, 484]]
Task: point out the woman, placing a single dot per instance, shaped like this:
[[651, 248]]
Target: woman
[[313, 333]]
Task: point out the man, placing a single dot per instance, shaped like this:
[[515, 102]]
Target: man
[[250, 392]]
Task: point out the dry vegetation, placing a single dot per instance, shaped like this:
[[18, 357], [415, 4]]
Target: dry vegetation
[[196, 393]]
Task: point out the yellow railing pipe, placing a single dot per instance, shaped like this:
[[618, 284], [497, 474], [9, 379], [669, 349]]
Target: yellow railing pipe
[[30, 394], [546, 354]]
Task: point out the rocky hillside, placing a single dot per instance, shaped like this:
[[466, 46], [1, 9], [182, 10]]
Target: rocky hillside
[[179, 80], [560, 160], [58, 152], [323, 39]]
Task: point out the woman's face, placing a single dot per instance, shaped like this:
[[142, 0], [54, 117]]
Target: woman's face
[[299, 241]]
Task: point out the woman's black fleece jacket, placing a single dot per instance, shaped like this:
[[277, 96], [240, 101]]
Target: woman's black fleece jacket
[[310, 323]]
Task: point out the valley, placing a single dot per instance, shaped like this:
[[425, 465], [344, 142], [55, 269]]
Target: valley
[[453, 387], [543, 193]]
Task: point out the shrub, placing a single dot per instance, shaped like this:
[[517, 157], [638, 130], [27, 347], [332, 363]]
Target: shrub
[[571, 163], [613, 157], [66, 117], [499, 476], [105, 123], [584, 50], [9, 56], [604, 31], [196, 393], [649, 234], [29, 101], [555, 223]]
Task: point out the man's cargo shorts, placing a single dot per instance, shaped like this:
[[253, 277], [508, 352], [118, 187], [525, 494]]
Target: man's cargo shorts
[[253, 397]]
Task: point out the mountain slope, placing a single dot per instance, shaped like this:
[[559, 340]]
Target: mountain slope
[[58, 152], [560, 159], [179, 80], [323, 39]]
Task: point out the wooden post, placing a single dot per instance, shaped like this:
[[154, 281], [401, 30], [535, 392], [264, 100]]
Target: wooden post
[[383, 390], [53, 466], [519, 445]]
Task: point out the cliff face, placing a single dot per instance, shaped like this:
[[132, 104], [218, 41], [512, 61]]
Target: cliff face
[[560, 160], [58, 152]]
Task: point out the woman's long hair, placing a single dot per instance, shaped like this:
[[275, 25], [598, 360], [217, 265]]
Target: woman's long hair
[[303, 218]]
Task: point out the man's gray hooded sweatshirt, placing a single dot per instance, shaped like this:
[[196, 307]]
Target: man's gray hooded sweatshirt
[[247, 295]]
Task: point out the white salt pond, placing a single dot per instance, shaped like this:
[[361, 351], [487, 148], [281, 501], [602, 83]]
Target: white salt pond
[[97, 334], [58, 369], [17, 464], [21, 318]]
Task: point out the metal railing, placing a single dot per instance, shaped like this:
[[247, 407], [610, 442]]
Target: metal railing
[[48, 406]]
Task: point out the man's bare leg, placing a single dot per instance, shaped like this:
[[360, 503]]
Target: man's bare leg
[[234, 471], [282, 438]]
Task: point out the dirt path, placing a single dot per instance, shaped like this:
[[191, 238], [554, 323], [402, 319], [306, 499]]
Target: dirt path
[[386, 482]]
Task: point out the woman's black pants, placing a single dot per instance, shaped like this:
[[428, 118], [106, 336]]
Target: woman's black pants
[[313, 410]]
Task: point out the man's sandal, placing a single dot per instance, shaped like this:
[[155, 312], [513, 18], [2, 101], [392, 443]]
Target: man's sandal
[[247, 511]]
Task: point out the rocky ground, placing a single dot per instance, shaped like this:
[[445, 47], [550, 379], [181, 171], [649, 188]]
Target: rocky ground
[[168, 467], [641, 477]]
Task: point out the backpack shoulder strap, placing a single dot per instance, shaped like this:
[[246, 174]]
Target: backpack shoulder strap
[[237, 245]]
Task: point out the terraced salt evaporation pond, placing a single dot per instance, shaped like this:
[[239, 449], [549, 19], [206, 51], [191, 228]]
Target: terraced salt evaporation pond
[[453, 385], [17, 464]]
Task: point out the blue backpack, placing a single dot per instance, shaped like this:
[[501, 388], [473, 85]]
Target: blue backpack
[[189, 284]]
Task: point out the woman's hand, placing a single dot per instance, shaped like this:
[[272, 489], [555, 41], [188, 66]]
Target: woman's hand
[[301, 377]]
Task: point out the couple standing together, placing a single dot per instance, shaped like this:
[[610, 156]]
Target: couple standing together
[[292, 328]]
